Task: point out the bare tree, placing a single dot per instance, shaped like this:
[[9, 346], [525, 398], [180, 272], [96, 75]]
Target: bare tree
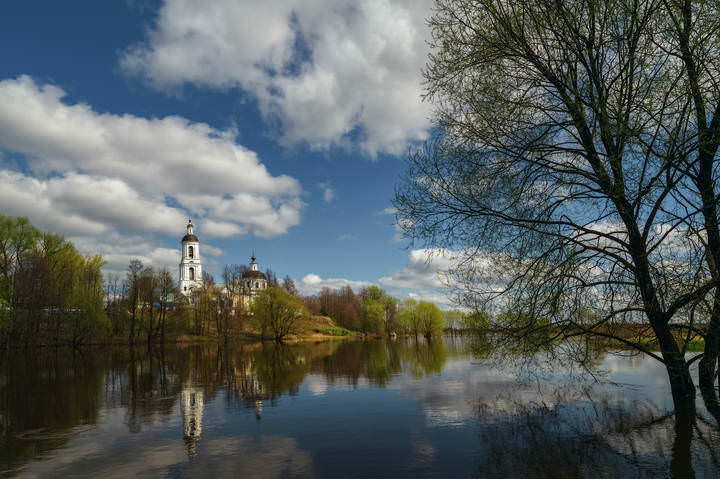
[[167, 289], [694, 38], [557, 173], [132, 279], [288, 284]]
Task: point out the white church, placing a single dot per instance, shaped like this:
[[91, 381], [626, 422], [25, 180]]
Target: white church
[[190, 264], [246, 287]]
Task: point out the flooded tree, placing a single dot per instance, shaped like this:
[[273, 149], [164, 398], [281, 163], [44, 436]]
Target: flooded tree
[[693, 38], [570, 174], [132, 289], [421, 318]]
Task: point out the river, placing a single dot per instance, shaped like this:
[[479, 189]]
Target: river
[[400, 408]]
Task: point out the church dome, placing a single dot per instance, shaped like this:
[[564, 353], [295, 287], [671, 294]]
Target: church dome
[[254, 274], [190, 237]]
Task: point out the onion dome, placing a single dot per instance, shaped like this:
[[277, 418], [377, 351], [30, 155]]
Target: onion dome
[[254, 274], [190, 236], [253, 271]]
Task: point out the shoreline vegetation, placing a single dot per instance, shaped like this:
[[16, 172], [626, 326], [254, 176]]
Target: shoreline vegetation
[[50, 296]]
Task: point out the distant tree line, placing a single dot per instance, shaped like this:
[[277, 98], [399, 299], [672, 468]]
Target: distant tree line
[[372, 310]]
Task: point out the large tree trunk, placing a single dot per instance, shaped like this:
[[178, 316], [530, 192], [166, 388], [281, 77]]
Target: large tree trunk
[[681, 383]]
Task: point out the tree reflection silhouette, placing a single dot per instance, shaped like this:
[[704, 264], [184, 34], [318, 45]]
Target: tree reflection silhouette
[[589, 437], [45, 395]]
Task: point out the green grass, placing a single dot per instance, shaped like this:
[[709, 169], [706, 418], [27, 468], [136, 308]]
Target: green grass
[[696, 345], [333, 330]]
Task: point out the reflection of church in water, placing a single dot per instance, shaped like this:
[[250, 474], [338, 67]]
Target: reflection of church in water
[[192, 414], [245, 287], [243, 384]]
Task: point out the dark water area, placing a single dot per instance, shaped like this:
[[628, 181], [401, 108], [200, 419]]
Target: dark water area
[[342, 409]]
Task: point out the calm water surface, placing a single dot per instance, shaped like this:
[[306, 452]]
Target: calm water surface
[[341, 409]]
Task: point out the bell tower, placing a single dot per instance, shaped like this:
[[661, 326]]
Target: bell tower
[[190, 264]]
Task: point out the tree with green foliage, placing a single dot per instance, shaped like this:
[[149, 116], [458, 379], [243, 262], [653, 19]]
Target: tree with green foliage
[[275, 312], [49, 293], [408, 319], [476, 322], [430, 319], [373, 317], [453, 320], [379, 309]]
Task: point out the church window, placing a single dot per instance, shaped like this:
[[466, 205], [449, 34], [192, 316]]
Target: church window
[[257, 285], [192, 274], [191, 252]]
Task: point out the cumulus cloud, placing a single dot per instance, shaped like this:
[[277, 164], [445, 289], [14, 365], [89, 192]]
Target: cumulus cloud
[[118, 249], [423, 276], [114, 183], [330, 73], [121, 170], [211, 250], [90, 174], [312, 284]]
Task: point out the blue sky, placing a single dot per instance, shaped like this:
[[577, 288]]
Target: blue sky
[[279, 127]]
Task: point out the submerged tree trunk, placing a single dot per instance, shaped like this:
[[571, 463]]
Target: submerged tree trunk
[[681, 462], [708, 373], [681, 383]]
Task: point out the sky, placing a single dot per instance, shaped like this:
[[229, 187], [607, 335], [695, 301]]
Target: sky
[[280, 127]]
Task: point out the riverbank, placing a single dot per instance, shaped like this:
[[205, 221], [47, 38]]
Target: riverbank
[[314, 329]]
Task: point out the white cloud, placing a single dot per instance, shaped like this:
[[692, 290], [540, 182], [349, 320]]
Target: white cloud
[[326, 71], [390, 210], [211, 250], [119, 171], [423, 270], [313, 284], [400, 227], [423, 276], [118, 249], [103, 177]]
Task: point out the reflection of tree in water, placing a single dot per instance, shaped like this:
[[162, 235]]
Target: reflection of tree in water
[[379, 361], [591, 436], [256, 373], [423, 357], [44, 395]]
